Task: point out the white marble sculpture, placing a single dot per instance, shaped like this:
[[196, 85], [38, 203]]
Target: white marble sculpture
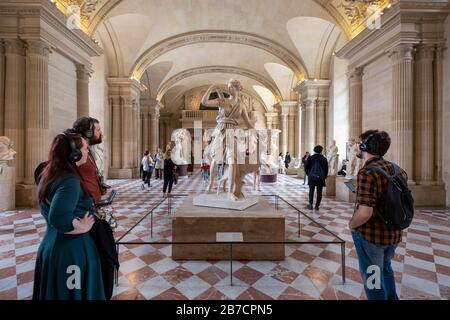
[[354, 163], [181, 153], [224, 144], [6, 151], [333, 158]]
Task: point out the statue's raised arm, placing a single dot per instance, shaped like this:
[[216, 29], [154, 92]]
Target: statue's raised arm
[[212, 103]]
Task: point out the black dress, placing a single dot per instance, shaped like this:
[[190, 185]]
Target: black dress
[[169, 167]]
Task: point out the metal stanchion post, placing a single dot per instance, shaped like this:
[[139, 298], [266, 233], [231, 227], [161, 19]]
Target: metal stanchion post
[[231, 263], [343, 261]]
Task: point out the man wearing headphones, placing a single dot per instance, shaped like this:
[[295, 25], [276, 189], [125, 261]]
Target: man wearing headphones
[[375, 243], [91, 130]]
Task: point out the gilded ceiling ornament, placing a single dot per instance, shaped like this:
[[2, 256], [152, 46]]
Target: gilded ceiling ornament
[[357, 11]]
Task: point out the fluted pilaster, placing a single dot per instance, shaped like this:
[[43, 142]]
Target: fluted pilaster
[[37, 107], [402, 107], [291, 140], [14, 105], [424, 117], [284, 133], [82, 91], [145, 131], [310, 125], [355, 103], [438, 114], [127, 141], [321, 130], [115, 103], [154, 128], [2, 89], [298, 131]]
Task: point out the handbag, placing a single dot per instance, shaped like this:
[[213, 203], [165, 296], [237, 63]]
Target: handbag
[[102, 234]]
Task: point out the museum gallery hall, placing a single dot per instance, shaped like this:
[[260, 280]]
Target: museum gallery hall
[[231, 95]]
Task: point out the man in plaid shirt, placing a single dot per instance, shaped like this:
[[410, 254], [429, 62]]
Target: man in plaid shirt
[[374, 242]]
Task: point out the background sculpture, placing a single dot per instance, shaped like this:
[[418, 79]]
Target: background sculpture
[[333, 158], [6, 152], [354, 163], [181, 153]]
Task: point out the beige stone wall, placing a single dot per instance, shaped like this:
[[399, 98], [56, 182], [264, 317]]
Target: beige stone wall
[[339, 105], [446, 112], [377, 96], [62, 85], [98, 106]]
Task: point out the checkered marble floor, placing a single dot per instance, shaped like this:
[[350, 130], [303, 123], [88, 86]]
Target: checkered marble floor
[[421, 263]]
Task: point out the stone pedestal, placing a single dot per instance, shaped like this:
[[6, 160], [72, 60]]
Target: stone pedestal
[[131, 173], [26, 195], [7, 188], [269, 178], [213, 200], [330, 190], [260, 222], [182, 170], [343, 193], [291, 171], [428, 195]]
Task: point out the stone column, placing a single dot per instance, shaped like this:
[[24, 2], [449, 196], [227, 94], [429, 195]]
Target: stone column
[[145, 129], [2, 89], [83, 75], [36, 117], [284, 132], [302, 129], [298, 131], [115, 103], [355, 103], [268, 122], [124, 94], [321, 122], [310, 125], [403, 108], [424, 115], [14, 105], [154, 128], [438, 114], [292, 135]]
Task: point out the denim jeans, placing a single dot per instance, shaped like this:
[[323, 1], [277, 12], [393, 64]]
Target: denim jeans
[[370, 254]]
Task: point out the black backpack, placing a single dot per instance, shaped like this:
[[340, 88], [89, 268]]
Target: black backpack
[[316, 174], [399, 203]]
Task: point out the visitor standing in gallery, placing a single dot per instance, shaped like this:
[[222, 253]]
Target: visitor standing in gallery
[[169, 170], [68, 265], [375, 241], [316, 168]]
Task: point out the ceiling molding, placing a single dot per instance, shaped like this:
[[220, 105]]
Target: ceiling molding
[[172, 43], [166, 85]]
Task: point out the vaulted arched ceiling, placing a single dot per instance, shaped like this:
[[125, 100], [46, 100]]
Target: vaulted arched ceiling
[[269, 44]]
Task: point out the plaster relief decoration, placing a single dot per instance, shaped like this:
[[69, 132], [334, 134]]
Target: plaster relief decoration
[[181, 152], [87, 9], [332, 157], [360, 13]]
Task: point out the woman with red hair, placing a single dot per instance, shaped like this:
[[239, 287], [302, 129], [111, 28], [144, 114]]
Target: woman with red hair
[[68, 265]]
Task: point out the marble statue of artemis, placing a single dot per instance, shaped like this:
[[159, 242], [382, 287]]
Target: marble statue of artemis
[[230, 111]]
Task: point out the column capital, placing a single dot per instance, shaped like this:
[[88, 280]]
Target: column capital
[[425, 51], [83, 72], [286, 107], [14, 46], [38, 47], [355, 74], [402, 52]]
